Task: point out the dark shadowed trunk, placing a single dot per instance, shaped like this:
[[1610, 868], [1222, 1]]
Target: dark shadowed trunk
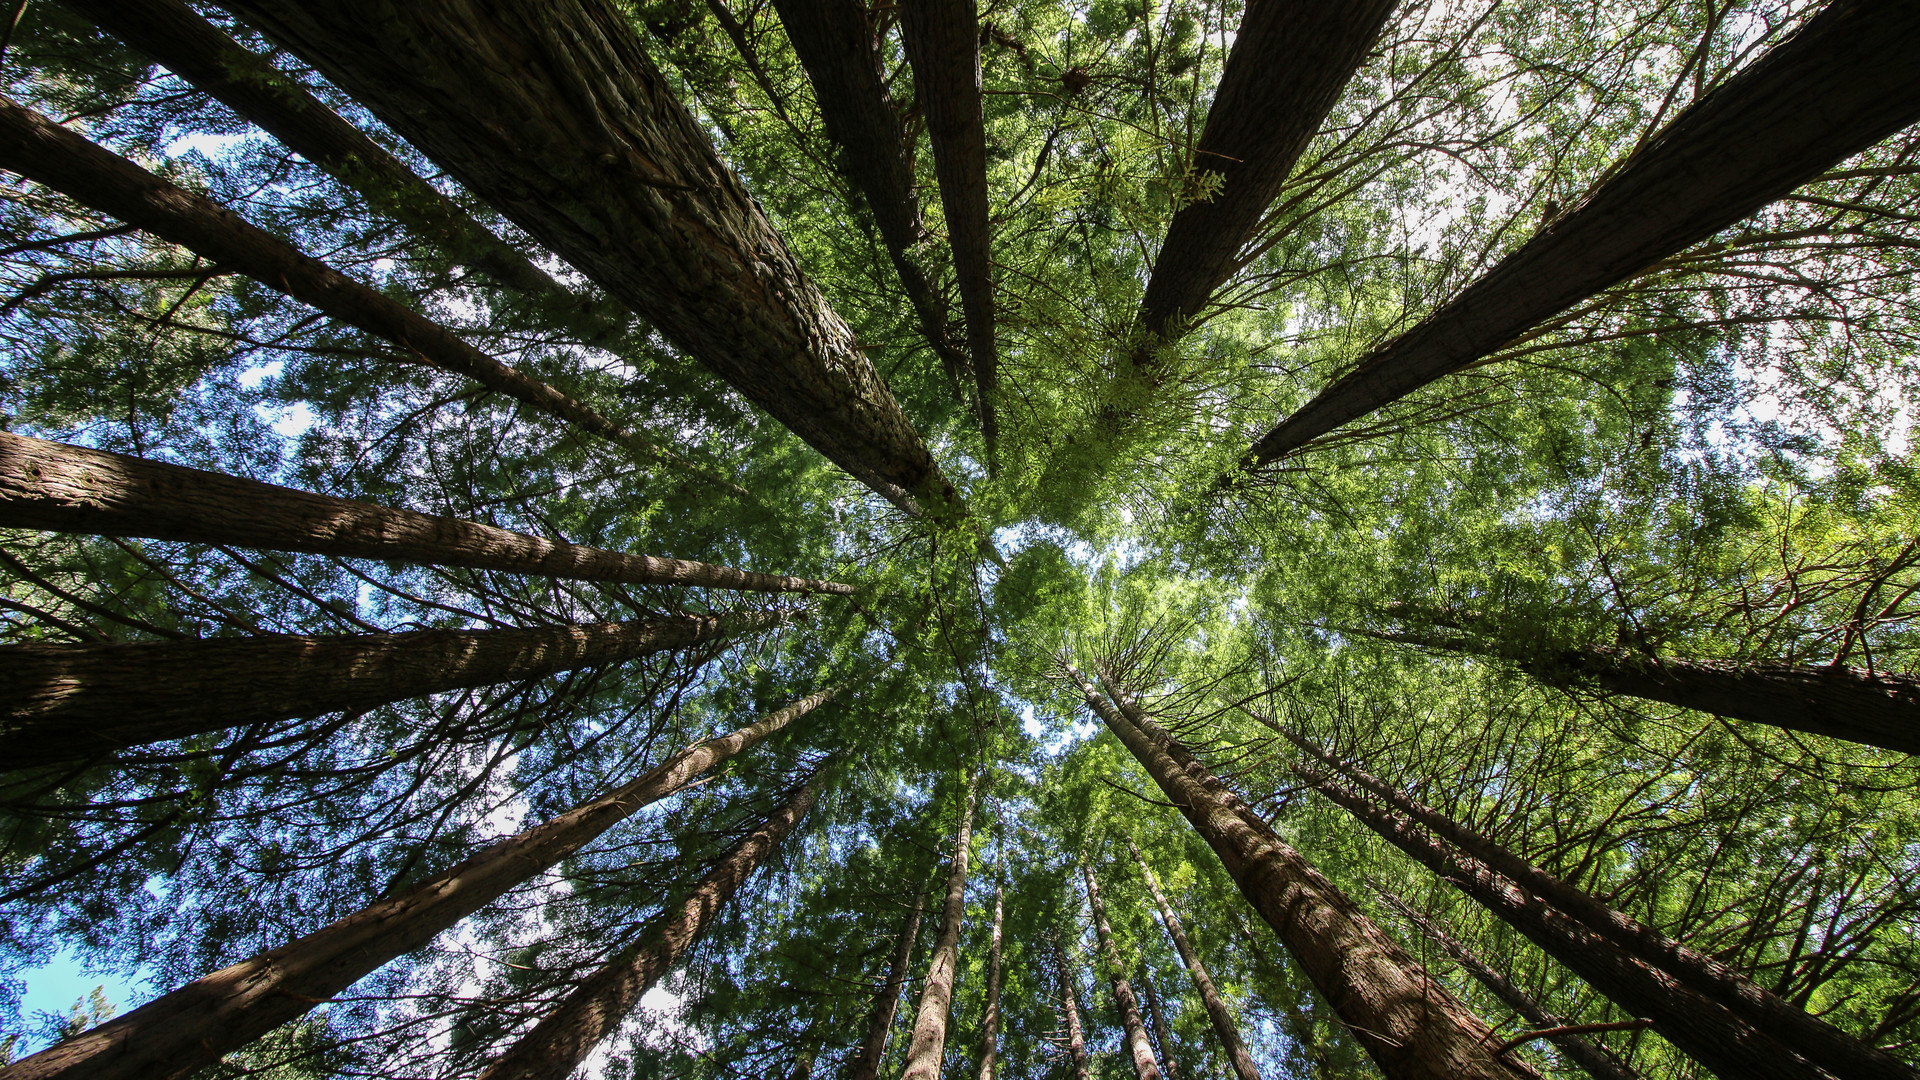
[[990, 1026], [1224, 1024], [1133, 1031], [1070, 1006], [929, 1041], [66, 702], [1162, 1035], [551, 111], [873, 1048], [194, 1026], [1843, 82], [63, 488], [1409, 1025], [560, 1042]]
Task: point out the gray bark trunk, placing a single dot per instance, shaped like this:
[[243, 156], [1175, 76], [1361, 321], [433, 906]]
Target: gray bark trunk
[[1070, 1005], [873, 1049], [990, 1026], [1133, 1031], [929, 1043], [1224, 1024]]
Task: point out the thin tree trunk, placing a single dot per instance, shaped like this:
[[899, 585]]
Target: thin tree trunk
[[1134, 1032], [1070, 1004], [1843, 82], [43, 151], [990, 1027], [942, 39], [1760, 1009], [929, 1042], [873, 1049], [559, 1043], [66, 702], [1161, 1033], [74, 489], [201, 1022], [1224, 1024], [1409, 1025], [551, 111], [1597, 1061]]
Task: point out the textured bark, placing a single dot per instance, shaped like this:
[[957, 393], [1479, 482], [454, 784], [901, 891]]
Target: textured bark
[[1224, 1024], [1841, 84], [65, 702], [194, 1026], [873, 1048], [41, 150], [1133, 1031], [1760, 1009], [1161, 1033], [1595, 1060], [552, 112], [63, 488], [1409, 1025], [990, 1025], [1070, 1004], [936, 997], [560, 1042], [942, 39]]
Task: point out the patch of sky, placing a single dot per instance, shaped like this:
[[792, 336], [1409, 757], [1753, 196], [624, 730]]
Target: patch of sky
[[54, 988]]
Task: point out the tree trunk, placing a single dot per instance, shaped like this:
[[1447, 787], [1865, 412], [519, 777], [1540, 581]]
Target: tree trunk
[[1409, 1025], [1070, 1004], [1134, 1033], [873, 1049], [1158, 1022], [929, 1043], [66, 702], [552, 112], [1760, 1009], [559, 1043], [1224, 1024], [1842, 83], [64, 488], [1595, 1060], [942, 39], [990, 1027], [201, 1022], [41, 150]]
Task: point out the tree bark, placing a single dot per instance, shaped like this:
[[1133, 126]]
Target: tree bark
[[1134, 1032], [201, 1022], [67, 702], [873, 1049], [1842, 83], [559, 1043], [1408, 1024], [929, 1043], [1761, 1010], [1595, 1060], [552, 112], [73, 489], [1161, 1033], [1070, 1004], [1224, 1024], [942, 39], [990, 1026]]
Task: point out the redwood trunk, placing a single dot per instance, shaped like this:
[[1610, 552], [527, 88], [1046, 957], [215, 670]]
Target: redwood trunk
[[1134, 1033], [1842, 83], [63, 488], [936, 998], [197, 1024], [1161, 1033], [990, 1027], [873, 1049], [558, 1044], [65, 702], [551, 111], [1409, 1025], [1070, 1004], [1224, 1024]]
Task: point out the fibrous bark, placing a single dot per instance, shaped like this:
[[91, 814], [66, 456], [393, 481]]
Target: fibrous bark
[[1408, 1024], [1224, 1024], [936, 996], [559, 1043], [74, 489], [1070, 1005], [1839, 85], [1161, 1033], [990, 1025], [197, 1024], [552, 112], [1133, 1031], [873, 1048], [66, 702]]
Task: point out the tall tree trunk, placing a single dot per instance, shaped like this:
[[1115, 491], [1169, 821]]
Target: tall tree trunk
[[65, 702], [1595, 1060], [1760, 1009], [64, 488], [942, 39], [1839, 85], [201, 1022], [990, 1026], [1070, 1005], [559, 1043], [1409, 1025], [41, 150], [873, 1048], [1224, 1024], [929, 1042], [551, 111], [1133, 1031], [1161, 1033]]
